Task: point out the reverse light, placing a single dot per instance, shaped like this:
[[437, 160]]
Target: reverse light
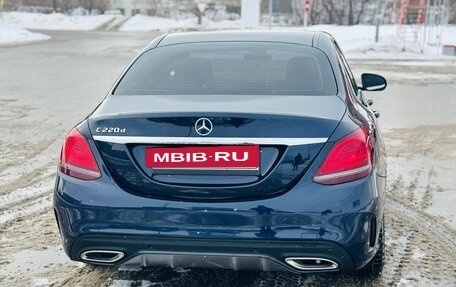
[[349, 159], [76, 157]]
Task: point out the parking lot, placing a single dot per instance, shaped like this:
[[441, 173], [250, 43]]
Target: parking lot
[[45, 88]]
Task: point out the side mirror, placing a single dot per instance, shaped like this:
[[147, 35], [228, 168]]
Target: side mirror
[[372, 82]]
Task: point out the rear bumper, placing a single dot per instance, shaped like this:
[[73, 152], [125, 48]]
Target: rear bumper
[[266, 255], [336, 223]]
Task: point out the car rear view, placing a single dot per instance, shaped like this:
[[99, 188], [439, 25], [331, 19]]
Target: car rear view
[[237, 150]]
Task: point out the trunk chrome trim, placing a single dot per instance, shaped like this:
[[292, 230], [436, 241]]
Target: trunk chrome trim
[[208, 141]]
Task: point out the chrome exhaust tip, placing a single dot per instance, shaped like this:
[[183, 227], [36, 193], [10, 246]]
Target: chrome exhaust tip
[[102, 256], [311, 263]]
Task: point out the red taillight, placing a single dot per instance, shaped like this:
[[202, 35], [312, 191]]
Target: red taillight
[[76, 157], [349, 159]]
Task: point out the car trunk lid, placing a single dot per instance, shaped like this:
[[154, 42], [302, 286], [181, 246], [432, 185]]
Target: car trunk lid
[[288, 131]]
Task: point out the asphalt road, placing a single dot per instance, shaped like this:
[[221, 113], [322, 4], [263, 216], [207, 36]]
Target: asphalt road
[[47, 87]]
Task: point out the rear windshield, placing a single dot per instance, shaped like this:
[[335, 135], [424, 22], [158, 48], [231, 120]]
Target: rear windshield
[[222, 68]]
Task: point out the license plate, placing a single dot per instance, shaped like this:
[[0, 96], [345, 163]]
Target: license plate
[[210, 158]]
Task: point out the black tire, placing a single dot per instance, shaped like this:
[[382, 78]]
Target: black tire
[[375, 266]]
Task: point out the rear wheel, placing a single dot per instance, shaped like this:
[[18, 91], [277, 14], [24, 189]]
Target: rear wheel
[[375, 266]]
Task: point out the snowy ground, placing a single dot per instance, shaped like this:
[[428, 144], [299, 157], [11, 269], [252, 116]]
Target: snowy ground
[[356, 41], [13, 25], [57, 21], [148, 23], [11, 34], [417, 120]]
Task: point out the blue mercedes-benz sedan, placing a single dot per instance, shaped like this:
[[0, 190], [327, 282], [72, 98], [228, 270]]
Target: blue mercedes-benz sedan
[[240, 150]]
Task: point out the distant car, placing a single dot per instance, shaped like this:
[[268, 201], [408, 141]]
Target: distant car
[[237, 150]]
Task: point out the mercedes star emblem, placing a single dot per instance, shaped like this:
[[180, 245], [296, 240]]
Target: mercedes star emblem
[[203, 126]]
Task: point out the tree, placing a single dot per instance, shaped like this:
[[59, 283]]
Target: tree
[[356, 9], [90, 5], [66, 5], [344, 11], [452, 13], [315, 14]]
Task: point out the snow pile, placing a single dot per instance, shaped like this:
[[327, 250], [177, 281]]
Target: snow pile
[[359, 41], [10, 34], [224, 25], [148, 23], [57, 21], [356, 41], [37, 282]]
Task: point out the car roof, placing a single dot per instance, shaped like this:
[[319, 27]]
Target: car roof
[[282, 36]]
